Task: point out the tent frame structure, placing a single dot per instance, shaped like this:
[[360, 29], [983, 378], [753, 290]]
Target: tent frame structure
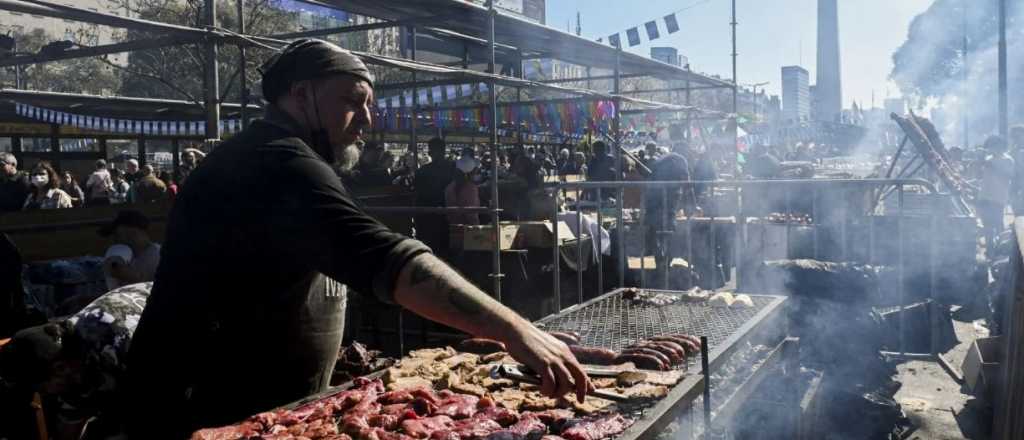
[[452, 20]]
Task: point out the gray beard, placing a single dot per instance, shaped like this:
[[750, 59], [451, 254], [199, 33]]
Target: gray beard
[[346, 158]]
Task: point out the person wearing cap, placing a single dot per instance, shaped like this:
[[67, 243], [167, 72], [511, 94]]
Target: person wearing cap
[[462, 192], [14, 185], [134, 256], [247, 308], [77, 362], [99, 186]]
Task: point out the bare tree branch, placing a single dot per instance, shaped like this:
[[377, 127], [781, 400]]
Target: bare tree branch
[[158, 78]]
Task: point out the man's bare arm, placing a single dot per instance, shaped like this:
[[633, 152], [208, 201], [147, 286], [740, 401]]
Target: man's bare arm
[[428, 287]]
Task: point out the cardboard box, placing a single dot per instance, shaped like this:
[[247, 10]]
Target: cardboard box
[[541, 234], [981, 365], [481, 238]]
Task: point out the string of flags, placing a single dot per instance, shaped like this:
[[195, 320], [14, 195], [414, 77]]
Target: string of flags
[[435, 95], [653, 31], [569, 119], [125, 126]]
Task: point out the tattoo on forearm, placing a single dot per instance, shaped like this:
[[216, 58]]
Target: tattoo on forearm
[[467, 301]]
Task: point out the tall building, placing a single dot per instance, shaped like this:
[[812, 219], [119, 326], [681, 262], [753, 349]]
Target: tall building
[[796, 95], [667, 55], [829, 83]]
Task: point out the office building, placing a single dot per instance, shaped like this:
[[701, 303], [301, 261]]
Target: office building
[[796, 96], [829, 92]]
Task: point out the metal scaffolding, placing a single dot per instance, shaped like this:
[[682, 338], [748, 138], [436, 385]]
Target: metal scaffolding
[[509, 39]]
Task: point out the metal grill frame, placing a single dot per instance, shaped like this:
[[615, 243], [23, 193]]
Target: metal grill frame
[[723, 341], [768, 317]]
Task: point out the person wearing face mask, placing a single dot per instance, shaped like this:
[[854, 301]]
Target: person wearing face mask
[[46, 192], [247, 308]]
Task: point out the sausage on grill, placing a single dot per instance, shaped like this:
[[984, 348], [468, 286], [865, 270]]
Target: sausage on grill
[[678, 349], [671, 354], [596, 356], [685, 343], [650, 352], [642, 361], [694, 342], [481, 346]]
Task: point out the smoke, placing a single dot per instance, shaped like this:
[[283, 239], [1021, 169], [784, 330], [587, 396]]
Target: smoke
[[930, 66]]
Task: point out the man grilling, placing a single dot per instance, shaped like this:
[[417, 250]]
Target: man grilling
[[246, 311]]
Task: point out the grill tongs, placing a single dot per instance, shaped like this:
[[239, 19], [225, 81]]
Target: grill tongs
[[513, 373]]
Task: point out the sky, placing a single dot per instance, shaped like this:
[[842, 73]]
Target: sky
[[770, 34]]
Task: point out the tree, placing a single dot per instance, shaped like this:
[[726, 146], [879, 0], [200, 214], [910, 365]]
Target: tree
[[177, 71], [81, 75]]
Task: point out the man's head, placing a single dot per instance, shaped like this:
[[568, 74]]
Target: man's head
[[600, 149], [146, 170], [101, 164], [326, 90], [10, 164], [436, 148], [563, 153], [189, 158], [130, 228], [131, 166]]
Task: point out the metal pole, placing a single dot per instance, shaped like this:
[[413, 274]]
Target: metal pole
[[244, 83], [901, 271], [735, 100], [556, 254], [579, 255], [688, 113], [17, 68], [600, 244], [964, 107], [495, 223], [1004, 125], [414, 145], [618, 169], [212, 77]]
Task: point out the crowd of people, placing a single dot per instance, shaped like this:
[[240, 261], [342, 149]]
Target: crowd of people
[[43, 186]]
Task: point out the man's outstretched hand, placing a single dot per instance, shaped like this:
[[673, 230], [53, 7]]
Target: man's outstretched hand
[[559, 371], [430, 288]]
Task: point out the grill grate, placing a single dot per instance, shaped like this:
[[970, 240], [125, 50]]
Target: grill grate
[[614, 322]]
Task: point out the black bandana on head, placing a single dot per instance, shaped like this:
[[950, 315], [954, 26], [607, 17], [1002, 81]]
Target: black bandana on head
[[309, 59]]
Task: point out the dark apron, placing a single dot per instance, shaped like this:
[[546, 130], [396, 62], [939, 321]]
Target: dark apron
[[284, 352]]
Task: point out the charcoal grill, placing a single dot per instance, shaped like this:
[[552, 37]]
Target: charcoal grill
[[611, 321]]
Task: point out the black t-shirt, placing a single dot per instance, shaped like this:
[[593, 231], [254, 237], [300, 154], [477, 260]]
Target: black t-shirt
[[13, 193], [243, 317]]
